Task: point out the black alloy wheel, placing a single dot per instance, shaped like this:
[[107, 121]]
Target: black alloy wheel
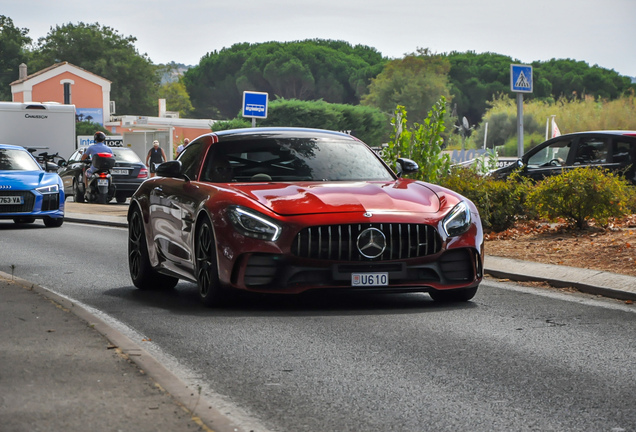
[[142, 274], [207, 273]]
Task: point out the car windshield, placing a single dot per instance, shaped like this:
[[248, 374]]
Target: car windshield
[[125, 155], [293, 159], [17, 160]]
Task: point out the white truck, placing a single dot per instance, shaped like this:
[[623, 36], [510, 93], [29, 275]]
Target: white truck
[[45, 127]]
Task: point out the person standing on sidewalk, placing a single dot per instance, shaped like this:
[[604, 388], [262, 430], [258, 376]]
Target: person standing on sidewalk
[[182, 146], [155, 157]]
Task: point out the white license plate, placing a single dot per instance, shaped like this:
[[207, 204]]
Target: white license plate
[[119, 172], [369, 279], [102, 182], [11, 200]]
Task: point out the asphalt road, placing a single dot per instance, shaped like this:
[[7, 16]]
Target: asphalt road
[[513, 359]]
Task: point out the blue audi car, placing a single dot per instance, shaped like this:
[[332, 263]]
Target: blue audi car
[[27, 191]]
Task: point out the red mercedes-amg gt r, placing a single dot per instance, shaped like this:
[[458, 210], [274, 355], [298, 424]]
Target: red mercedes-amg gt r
[[286, 210]]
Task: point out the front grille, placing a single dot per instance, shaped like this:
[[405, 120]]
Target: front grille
[[339, 242], [26, 207]]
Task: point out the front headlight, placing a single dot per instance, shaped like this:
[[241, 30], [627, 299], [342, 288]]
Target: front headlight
[[48, 189], [253, 224], [457, 221]]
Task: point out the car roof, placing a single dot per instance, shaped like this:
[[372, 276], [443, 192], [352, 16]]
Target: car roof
[[604, 132], [11, 146], [279, 132]]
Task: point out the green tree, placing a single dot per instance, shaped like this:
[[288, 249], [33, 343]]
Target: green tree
[[177, 98], [366, 123], [13, 51], [333, 71], [475, 79], [416, 82], [89, 128], [576, 79], [104, 52]]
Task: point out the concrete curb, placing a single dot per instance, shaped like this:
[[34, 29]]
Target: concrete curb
[[597, 282]]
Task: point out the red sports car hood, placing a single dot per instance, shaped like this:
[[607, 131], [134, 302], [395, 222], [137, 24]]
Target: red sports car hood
[[303, 198]]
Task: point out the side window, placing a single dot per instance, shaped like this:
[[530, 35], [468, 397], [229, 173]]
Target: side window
[[591, 151], [190, 159], [75, 157], [621, 151], [554, 154], [217, 168]]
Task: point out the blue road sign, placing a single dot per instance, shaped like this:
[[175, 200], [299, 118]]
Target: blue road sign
[[255, 104], [521, 78]]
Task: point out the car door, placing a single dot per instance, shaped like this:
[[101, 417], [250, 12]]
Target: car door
[[71, 171], [173, 203], [622, 156]]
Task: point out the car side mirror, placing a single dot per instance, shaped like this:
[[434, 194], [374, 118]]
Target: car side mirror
[[51, 167], [406, 166], [170, 169]]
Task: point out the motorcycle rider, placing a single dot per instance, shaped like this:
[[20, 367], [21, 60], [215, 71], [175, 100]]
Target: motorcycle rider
[[99, 146]]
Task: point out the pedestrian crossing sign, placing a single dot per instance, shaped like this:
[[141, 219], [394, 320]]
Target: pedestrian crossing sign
[[521, 78]]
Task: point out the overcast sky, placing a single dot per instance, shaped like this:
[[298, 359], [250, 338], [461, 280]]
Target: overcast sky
[[601, 32]]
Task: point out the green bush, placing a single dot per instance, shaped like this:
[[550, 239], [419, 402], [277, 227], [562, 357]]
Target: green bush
[[422, 143], [580, 195], [500, 202]]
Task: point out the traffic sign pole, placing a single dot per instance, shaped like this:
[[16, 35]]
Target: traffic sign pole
[[520, 82], [519, 125]]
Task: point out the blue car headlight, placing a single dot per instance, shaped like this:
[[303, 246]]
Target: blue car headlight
[[458, 220], [253, 224], [48, 189]]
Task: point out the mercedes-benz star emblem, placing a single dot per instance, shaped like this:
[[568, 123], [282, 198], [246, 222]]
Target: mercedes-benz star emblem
[[371, 243]]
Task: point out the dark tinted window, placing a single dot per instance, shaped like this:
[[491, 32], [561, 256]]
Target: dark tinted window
[[621, 151], [293, 159], [591, 151], [190, 158]]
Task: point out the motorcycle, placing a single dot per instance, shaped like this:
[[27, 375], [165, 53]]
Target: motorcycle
[[100, 184]]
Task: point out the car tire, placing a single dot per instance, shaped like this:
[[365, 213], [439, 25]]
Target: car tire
[[24, 220], [142, 274], [78, 196], [454, 296], [121, 198], [50, 222], [206, 268]]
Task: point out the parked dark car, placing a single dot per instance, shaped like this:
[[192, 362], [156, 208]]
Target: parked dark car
[[129, 172], [613, 150], [287, 210]]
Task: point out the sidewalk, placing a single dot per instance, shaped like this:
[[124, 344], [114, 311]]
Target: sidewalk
[[64, 369]]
